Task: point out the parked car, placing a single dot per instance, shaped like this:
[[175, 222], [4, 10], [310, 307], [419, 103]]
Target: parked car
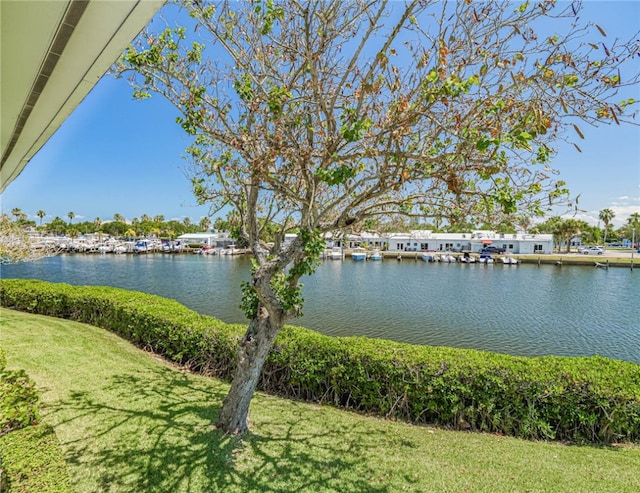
[[492, 249], [592, 250]]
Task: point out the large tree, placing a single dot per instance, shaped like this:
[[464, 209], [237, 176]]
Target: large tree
[[606, 215], [318, 116], [632, 227], [18, 214], [205, 223], [97, 224], [41, 214]]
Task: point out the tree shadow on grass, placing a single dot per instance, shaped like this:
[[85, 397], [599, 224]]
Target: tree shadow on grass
[[153, 431]]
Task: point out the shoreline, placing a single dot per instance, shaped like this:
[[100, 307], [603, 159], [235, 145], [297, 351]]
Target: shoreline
[[608, 259]]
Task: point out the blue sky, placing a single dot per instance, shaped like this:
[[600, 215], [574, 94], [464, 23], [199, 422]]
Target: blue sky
[[116, 155]]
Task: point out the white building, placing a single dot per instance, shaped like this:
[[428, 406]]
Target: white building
[[414, 241], [348, 241], [425, 240], [219, 240]]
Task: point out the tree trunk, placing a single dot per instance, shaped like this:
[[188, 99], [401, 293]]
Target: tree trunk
[[252, 353]]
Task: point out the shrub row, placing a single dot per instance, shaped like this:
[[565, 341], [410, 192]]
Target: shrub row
[[587, 400]]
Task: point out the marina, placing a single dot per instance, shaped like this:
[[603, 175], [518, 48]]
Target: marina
[[530, 309], [226, 246]]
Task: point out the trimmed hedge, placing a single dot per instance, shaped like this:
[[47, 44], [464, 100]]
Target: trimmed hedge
[[586, 400]]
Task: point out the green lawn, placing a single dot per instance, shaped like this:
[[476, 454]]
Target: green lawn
[[128, 422]]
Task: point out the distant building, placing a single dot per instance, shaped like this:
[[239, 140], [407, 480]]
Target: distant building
[[216, 240], [353, 240], [425, 240], [413, 241]]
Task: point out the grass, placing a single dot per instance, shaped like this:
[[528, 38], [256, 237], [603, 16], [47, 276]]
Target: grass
[[128, 422], [32, 461]]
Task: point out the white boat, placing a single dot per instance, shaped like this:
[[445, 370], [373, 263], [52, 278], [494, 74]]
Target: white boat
[[485, 259], [231, 250], [105, 248], [335, 254], [467, 259], [429, 257], [208, 250], [447, 258], [359, 254], [507, 260], [376, 255]]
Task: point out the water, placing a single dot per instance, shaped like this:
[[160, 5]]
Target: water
[[524, 310]]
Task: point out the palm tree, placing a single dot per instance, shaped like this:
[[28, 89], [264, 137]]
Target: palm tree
[[41, 215], [145, 218], [606, 215], [97, 222], [158, 219], [633, 225], [205, 223], [71, 215], [17, 212], [524, 222], [119, 218]]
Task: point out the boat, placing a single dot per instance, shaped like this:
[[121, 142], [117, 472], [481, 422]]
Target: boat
[[376, 255], [467, 259], [105, 248], [232, 250], [120, 249], [335, 254], [141, 246], [485, 258], [208, 250], [447, 258], [508, 260], [359, 254], [429, 257]]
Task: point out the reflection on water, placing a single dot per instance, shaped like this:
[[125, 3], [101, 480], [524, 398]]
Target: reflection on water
[[523, 310]]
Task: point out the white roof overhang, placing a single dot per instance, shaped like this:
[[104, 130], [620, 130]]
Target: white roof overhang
[[52, 54]]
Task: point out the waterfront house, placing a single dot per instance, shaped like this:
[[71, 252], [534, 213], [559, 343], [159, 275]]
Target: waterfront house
[[425, 240], [215, 240], [355, 240], [522, 243], [413, 241]]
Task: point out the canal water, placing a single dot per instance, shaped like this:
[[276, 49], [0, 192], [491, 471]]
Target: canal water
[[525, 310]]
